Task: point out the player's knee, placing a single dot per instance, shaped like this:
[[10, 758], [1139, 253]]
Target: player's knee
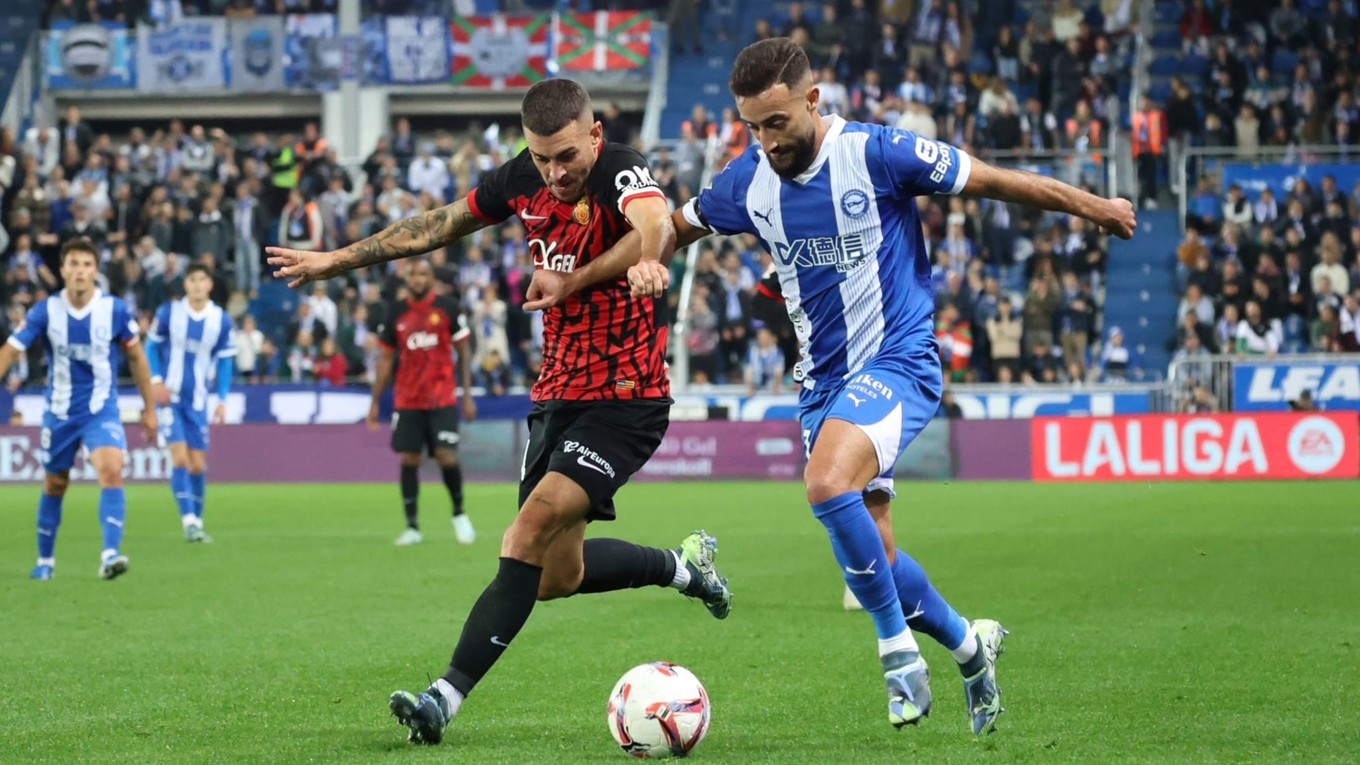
[[409, 459], [198, 463], [111, 475], [446, 458], [539, 522], [822, 487], [178, 459], [559, 584], [55, 484]]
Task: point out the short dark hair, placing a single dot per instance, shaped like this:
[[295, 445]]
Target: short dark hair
[[79, 244], [762, 65], [198, 268], [551, 105]]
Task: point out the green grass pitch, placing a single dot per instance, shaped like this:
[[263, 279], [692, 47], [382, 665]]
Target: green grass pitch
[[1149, 623]]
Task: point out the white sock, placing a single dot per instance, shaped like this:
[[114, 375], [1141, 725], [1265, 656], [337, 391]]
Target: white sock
[[965, 652], [189, 520], [47, 561], [903, 642], [682, 575], [107, 554], [450, 694]]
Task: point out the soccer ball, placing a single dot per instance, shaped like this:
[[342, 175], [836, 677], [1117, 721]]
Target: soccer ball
[[658, 710]]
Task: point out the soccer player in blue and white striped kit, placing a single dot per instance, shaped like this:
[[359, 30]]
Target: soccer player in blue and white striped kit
[[835, 203], [189, 343], [83, 330]]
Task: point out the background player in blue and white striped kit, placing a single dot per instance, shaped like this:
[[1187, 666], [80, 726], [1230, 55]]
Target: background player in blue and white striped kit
[[83, 330], [189, 342]]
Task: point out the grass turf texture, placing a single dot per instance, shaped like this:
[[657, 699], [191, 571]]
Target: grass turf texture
[[1161, 623]]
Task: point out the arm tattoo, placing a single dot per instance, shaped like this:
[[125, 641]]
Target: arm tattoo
[[416, 235]]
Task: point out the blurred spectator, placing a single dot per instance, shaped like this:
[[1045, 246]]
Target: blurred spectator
[[765, 367], [1116, 360], [249, 342], [1004, 333], [1256, 335], [330, 365]]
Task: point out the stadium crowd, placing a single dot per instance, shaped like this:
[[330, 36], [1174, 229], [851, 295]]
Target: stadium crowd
[[1264, 271]]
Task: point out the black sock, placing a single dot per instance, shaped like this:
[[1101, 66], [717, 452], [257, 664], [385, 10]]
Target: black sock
[[453, 478], [410, 494], [495, 619], [975, 664], [613, 564]]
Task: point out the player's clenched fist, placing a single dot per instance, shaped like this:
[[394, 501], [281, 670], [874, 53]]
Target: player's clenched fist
[[1120, 220], [649, 278]]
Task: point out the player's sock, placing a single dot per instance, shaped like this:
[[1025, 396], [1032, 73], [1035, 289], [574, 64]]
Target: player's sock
[[112, 515], [410, 494], [453, 479], [49, 520], [496, 618], [927, 611], [184, 498], [198, 488], [859, 550], [613, 564]]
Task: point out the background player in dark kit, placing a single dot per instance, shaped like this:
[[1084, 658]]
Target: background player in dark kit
[[419, 336]]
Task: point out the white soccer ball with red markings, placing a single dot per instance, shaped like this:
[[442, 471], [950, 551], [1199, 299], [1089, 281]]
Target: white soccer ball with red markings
[[658, 710]]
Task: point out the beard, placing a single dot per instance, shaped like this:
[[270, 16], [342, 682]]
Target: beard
[[794, 159]]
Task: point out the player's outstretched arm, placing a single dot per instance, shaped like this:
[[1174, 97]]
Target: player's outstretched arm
[[549, 288], [1113, 216], [416, 235]]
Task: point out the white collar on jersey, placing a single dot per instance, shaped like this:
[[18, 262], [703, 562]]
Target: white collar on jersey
[[834, 125], [196, 315], [80, 313]]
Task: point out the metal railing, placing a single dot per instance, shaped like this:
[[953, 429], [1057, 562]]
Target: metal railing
[[1218, 373], [1203, 161]]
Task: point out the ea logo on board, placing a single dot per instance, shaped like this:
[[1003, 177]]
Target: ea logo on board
[[87, 52], [1316, 445], [855, 203]]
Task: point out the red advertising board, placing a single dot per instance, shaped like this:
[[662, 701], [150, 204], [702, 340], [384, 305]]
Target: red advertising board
[[1196, 447]]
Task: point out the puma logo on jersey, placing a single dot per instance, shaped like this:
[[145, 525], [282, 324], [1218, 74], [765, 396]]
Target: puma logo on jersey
[[867, 571], [855, 399], [765, 216]]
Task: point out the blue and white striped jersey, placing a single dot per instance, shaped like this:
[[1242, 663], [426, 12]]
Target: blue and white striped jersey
[[846, 240], [196, 342], [82, 351]]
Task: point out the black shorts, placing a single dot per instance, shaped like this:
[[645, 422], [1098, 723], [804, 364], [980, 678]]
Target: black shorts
[[597, 444], [416, 430]]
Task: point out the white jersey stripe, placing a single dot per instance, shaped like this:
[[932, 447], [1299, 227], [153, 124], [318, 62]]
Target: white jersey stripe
[[176, 334], [765, 210], [212, 329], [862, 290], [57, 327], [101, 338]]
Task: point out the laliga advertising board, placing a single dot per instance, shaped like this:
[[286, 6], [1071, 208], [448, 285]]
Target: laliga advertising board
[[1197, 447]]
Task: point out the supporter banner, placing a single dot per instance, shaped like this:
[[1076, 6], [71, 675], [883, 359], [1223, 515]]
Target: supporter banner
[[256, 53], [990, 450], [499, 51], [373, 51], [727, 450], [1196, 448], [311, 52], [1270, 386], [417, 49], [1280, 178], [603, 41], [89, 57], [190, 55]]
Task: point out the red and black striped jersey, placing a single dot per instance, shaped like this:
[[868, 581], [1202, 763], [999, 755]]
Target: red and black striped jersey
[[423, 333], [601, 343]]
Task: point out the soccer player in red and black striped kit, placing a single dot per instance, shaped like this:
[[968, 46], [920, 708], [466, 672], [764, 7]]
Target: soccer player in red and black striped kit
[[601, 405], [418, 336]]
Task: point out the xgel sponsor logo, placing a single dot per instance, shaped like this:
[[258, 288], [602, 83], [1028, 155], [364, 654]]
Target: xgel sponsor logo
[[547, 257], [588, 457]]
